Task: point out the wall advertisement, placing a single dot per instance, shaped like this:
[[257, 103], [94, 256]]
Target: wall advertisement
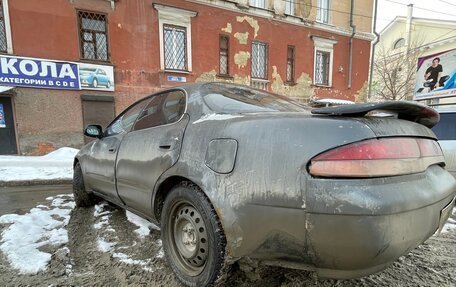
[[436, 76], [50, 74]]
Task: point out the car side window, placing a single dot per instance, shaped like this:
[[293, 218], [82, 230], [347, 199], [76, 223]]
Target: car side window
[[125, 121], [163, 109]]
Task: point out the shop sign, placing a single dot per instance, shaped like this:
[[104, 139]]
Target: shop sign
[[177, 79], [41, 73]]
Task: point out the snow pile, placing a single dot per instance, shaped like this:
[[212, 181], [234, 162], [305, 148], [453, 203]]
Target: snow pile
[[55, 165], [42, 226], [144, 226]]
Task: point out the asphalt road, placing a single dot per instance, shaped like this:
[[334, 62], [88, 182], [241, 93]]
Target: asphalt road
[[20, 199]]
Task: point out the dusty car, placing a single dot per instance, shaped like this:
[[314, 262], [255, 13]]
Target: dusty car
[[445, 131], [231, 172]]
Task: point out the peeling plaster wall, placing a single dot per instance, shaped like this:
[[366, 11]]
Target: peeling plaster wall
[[242, 37], [241, 59]]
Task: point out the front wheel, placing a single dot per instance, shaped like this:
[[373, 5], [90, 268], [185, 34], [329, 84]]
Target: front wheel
[[192, 237], [81, 197], [95, 83]]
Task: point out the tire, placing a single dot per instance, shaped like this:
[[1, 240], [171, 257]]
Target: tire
[[81, 197], [192, 236], [108, 84], [95, 83]]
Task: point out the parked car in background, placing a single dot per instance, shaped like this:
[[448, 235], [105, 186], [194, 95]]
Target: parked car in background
[[445, 131], [231, 172], [94, 77]]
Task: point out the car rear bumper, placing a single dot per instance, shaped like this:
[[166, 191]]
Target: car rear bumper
[[346, 228]]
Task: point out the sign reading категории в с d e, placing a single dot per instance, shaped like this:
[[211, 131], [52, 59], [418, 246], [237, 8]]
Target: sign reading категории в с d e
[[50, 74]]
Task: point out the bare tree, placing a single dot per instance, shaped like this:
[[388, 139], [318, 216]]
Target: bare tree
[[395, 72]]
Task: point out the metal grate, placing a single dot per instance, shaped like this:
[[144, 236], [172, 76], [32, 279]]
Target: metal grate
[[175, 47], [224, 54], [259, 60], [322, 68], [93, 36], [290, 63], [3, 44]]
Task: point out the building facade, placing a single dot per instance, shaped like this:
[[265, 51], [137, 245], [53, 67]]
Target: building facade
[[67, 63]]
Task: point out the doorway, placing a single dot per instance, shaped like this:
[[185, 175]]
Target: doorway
[[8, 144], [98, 110]]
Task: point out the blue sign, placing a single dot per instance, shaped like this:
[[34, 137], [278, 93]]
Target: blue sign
[[2, 117], [28, 72], [177, 79]]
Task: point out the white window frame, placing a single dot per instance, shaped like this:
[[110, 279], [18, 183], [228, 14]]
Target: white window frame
[[258, 3], [9, 40], [290, 7], [321, 10], [324, 45], [177, 17]]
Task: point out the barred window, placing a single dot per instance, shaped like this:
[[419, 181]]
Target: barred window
[[323, 9], [322, 60], [3, 45], [93, 36], [175, 47], [290, 63], [224, 55], [289, 7], [259, 60]]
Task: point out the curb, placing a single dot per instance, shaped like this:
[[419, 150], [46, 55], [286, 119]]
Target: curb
[[16, 183]]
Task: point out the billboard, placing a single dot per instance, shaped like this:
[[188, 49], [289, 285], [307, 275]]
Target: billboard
[[50, 74], [436, 76]]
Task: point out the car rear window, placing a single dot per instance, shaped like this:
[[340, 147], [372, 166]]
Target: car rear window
[[446, 127], [229, 99]]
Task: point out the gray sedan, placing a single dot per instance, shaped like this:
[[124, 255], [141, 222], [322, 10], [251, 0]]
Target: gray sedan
[[231, 172]]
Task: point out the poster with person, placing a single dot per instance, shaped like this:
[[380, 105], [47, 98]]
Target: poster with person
[[436, 76], [2, 117]]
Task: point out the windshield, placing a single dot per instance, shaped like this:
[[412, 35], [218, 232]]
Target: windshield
[[87, 70], [229, 99]]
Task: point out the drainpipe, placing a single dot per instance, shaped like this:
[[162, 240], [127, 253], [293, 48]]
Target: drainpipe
[[408, 29], [350, 61], [377, 39]]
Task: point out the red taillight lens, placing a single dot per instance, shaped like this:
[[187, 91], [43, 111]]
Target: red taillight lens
[[378, 157]]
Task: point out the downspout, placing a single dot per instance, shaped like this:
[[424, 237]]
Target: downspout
[[377, 39], [350, 57]]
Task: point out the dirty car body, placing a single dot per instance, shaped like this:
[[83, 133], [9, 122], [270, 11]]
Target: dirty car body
[[277, 179]]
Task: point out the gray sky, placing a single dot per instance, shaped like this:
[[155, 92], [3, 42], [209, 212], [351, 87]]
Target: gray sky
[[387, 10]]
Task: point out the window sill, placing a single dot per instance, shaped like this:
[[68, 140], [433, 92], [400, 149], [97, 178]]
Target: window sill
[[227, 77], [176, 72], [287, 83], [96, 62], [322, 86]]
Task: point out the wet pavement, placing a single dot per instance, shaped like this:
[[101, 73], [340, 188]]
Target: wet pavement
[[20, 199]]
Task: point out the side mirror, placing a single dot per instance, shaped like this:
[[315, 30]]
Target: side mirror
[[94, 131]]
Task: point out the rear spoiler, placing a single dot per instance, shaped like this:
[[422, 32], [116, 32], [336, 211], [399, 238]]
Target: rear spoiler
[[409, 111]]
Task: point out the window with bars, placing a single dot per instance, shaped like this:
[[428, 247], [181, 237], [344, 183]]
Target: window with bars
[[224, 55], [290, 64], [322, 61], [175, 47], [259, 60], [93, 31], [289, 7], [258, 3], [323, 9], [3, 43]]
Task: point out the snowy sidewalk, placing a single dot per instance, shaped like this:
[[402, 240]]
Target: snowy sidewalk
[[55, 167]]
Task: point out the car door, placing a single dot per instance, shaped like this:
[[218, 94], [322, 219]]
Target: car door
[[151, 148], [100, 166]]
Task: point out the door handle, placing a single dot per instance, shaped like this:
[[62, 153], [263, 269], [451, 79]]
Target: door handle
[[165, 146], [112, 149]]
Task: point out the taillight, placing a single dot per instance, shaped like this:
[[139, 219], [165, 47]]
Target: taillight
[[378, 157]]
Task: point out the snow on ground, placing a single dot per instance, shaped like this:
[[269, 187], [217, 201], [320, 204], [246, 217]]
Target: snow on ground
[[108, 241], [451, 223], [55, 165], [43, 225], [144, 226]]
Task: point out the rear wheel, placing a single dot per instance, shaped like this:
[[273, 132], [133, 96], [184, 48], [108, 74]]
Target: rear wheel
[[81, 197], [192, 237]]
